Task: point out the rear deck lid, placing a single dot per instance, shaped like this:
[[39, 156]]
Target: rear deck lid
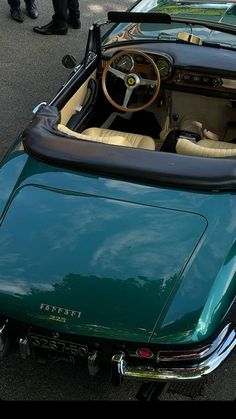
[[91, 265]]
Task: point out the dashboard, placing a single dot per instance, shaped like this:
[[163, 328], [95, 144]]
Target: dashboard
[[187, 67], [138, 63]]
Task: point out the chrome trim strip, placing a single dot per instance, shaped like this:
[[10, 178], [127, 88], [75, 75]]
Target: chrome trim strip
[[159, 373], [65, 86]]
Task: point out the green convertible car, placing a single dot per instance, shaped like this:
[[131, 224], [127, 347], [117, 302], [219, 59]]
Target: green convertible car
[[118, 202]]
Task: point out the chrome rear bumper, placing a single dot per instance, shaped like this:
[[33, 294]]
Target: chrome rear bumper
[[121, 368]]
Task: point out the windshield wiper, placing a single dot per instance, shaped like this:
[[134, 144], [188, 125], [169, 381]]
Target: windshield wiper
[[163, 36], [225, 45], [215, 26]]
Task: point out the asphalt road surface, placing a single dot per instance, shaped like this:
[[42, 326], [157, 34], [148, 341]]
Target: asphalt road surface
[[31, 72]]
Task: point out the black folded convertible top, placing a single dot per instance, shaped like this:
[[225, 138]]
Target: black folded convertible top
[[43, 141]]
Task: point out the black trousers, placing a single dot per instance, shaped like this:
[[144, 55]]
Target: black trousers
[[61, 7], [16, 3]]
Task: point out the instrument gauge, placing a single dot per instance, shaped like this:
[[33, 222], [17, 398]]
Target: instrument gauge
[[163, 67], [124, 63]]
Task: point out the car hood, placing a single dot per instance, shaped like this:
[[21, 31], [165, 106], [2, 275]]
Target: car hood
[[92, 265]]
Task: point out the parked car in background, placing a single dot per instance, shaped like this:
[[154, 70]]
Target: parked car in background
[[118, 202]]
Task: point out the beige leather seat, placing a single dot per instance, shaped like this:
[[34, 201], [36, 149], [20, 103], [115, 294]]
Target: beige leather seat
[[108, 136], [205, 148]]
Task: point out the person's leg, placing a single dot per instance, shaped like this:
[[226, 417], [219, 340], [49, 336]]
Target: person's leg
[[74, 14], [31, 7], [15, 10], [14, 3], [73, 5], [58, 25], [60, 9]]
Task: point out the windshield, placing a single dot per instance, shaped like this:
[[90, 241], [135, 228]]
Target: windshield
[[219, 12]]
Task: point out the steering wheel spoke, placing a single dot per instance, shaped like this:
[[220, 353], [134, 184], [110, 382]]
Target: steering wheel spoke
[[128, 94], [147, 82], [117, 73]]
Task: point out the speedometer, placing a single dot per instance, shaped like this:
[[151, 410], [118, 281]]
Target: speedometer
[[124, 63], [163, 67]]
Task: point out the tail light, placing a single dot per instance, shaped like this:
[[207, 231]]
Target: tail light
[[186, 355], [144, 353]]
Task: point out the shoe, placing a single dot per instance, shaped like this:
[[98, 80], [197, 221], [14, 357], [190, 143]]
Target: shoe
[[17, 14], [51, 29], [32, 10], [74, 21]]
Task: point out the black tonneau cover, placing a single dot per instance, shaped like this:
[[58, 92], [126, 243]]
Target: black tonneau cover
[[43, 141]]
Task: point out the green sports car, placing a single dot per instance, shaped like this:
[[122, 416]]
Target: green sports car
[[118, 202]]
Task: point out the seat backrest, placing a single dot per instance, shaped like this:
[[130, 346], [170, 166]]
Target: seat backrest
[[113, 140], [107, 136], [205, 148], [135, 140]]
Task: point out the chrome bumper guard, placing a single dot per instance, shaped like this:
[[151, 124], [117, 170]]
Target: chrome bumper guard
[[121, 368], [24, 347]]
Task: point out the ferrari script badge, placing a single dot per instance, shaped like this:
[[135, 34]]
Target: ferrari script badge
[[60, 311]]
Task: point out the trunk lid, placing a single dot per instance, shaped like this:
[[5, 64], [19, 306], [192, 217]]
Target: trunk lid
[[91, 265]]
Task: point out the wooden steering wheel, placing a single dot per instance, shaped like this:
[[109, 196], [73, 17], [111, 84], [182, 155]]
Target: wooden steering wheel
[[136, 75]]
